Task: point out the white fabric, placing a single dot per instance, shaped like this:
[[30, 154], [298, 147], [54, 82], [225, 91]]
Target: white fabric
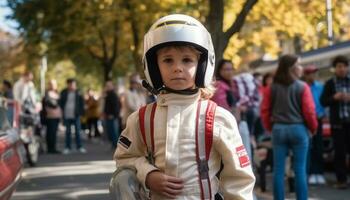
[[246, 88], [175, 154], [133, 101], [23, 90]]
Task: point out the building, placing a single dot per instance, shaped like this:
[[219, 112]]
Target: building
[[321, 57]]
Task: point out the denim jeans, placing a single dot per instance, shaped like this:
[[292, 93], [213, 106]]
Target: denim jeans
[[68, 124], [244, 132], [10, 115], [112, 127], [315, 159], [287, 137]]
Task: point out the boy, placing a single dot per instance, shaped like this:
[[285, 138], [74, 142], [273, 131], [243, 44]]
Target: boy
[[336, 95], [179, 65]]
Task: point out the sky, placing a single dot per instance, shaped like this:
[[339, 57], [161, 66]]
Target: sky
[[5, 24]]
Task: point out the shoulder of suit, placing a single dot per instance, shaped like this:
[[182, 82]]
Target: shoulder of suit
[[223, 116]]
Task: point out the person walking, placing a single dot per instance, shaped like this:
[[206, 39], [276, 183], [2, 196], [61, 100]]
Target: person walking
[[72, 105], [52, 114], [336, 96], [111, 112], [288, 111]]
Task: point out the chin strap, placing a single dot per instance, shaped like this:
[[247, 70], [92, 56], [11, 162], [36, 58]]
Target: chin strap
[[184, 92], [146, 85], [154, 91]]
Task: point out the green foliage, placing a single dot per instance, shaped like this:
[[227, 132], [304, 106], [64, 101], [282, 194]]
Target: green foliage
[[104, 37]]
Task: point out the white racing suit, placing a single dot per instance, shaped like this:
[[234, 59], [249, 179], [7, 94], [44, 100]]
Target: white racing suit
[[175, 149]]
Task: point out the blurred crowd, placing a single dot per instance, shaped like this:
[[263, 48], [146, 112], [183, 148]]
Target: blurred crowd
[[92, 114], [286, 114]]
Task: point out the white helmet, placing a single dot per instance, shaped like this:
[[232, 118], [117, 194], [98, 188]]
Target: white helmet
[[178, 29]]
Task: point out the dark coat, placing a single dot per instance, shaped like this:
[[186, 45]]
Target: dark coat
[[79, 102], [328, 100], [112, 104]]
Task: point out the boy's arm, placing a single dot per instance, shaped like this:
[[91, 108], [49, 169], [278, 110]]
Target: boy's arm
[[131, 149], [236, 178]]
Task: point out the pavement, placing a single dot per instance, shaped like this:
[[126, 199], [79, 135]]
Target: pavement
[[69, 177], [316, 192], [79, 176]]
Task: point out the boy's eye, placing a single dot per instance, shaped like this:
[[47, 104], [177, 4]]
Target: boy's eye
[[187, 60], [167, 60]]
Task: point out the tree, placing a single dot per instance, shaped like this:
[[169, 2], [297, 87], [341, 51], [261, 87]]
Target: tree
[[12, 62], [72, 29], [215, 22], [276, 27], [105, 33]]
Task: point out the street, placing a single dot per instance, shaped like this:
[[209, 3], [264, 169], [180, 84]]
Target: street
[[86, 176], [72, 176]]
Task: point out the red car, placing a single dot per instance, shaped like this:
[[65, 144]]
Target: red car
[[11, 155]]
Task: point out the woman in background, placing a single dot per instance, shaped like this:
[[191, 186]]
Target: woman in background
[[288, 111], [52, 115]]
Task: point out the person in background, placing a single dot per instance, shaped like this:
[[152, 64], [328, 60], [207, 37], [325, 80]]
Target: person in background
[[249, 100], [135, 97], [72, 105], [224, 94], [111, 113], [24, 93], [288, 110], [8, 94], [336, 96], [266, 82], [316, 147], [52, 114], [92, 113]]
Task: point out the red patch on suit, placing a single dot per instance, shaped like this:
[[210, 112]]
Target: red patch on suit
[[242, 156]]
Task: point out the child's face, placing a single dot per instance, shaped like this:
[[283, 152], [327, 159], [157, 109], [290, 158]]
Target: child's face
[[178, 66]]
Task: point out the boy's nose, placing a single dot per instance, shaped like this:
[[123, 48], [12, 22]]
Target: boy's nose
[[178, 68]]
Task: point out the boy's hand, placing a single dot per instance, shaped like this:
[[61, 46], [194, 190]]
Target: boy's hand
[[163, 184]]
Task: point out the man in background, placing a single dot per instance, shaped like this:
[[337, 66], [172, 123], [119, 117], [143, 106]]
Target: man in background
[[72, 105]]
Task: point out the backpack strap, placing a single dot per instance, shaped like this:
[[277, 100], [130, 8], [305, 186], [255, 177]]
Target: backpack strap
[[204, 138], [146, 121], [204, 141]]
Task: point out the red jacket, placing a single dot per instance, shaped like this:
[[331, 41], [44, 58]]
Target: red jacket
[[308, 111]]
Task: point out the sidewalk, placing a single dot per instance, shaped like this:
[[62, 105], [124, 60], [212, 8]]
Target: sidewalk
[[69, 177], [316, 192]]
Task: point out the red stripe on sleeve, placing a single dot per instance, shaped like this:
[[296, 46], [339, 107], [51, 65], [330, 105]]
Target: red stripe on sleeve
[[308, 109]]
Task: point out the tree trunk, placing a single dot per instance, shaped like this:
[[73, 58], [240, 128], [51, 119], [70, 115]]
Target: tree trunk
[[107, 71], [214, 21], [135, 35], [215, 24]]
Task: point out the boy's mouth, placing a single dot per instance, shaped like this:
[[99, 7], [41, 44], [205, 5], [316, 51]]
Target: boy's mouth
[[178, 79]]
